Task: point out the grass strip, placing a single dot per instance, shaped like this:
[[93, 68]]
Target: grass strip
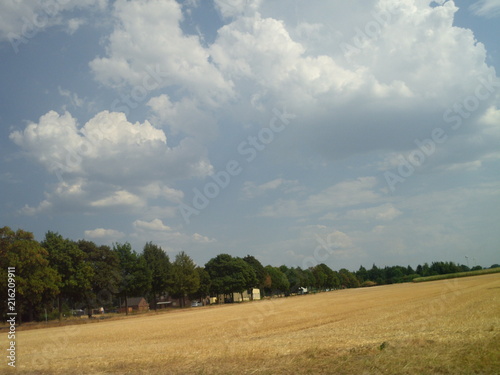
[[455, 275]]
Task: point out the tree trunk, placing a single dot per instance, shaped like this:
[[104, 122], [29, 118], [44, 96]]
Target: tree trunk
[[126, 305], [30, 314], [59, 303]]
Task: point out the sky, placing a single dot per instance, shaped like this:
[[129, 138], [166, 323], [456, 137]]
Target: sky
[[300, 132]]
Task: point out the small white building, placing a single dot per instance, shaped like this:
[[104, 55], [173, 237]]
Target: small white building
[[255, 295]]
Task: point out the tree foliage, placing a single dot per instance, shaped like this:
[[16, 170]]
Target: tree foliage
[[279, 281], [159, 265], [71, 264], [83, 273], [260, 272], [36, 283], [106, 276], [135, 275], [205, 283], [185, 278], [230, 275]]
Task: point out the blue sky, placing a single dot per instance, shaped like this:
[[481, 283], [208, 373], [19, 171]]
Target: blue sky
[[345, 133]]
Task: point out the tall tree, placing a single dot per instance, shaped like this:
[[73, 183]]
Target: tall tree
[[230, 275], [332, 280], [260, 272], [250, 280], [293, 278], [135, 275], [36, 282], [362, 274], [348, 279], [320, 277], [106, 277], [159, 265], [279, 281], [204, 288], [309, 278], [70, 262], [184, 279]]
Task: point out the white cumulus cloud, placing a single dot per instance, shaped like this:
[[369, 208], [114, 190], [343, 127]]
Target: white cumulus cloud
[[104, 234], [155, 225]]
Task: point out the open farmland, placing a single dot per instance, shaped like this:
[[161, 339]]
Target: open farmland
[[439, 327]]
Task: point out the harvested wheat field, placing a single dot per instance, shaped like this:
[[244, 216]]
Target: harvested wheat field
[[441, 327]]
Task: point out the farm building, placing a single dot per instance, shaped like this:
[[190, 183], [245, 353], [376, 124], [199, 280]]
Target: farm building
[[135, 304], [255, 295]]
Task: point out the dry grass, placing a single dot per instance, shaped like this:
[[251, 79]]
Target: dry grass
[[441, 327]]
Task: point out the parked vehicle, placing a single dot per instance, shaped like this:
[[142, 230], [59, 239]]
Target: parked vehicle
[[196, 304], [78, 312]]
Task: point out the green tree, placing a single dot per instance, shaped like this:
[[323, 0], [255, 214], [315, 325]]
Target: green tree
[[135, 277], [230, 275], [279, 281], [185, 279], [332, 280], [159, 265], [348, 279], [293, 278], [260, 272], [362, 274], [36, 282], [394, 274], [71, 264], [205, 283], [303, 278], [320, 277], [106, 276], [309, 278]]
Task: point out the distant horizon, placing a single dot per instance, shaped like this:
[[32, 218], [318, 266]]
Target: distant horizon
[[141, 249]]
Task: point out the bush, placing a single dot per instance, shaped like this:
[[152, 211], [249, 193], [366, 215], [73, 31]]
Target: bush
[[368, 283]]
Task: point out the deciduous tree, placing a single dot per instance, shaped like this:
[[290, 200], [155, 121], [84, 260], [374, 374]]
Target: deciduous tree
[[185, 279], [70, 263], [106, 276], [36, 283], [135, 275], [230, 275], [159, 265]]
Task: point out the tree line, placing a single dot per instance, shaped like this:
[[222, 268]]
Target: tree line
[[58, 273]]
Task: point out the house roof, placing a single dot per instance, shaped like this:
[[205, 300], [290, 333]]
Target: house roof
[[134, 301]]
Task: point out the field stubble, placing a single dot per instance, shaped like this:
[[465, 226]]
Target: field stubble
[[441, 327]]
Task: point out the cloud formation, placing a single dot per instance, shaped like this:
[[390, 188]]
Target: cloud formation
[[109, 162], [148, 40], [370, 83], [486, 8]]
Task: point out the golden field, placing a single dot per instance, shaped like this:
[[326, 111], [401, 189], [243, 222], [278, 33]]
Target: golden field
[[440, 327]]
